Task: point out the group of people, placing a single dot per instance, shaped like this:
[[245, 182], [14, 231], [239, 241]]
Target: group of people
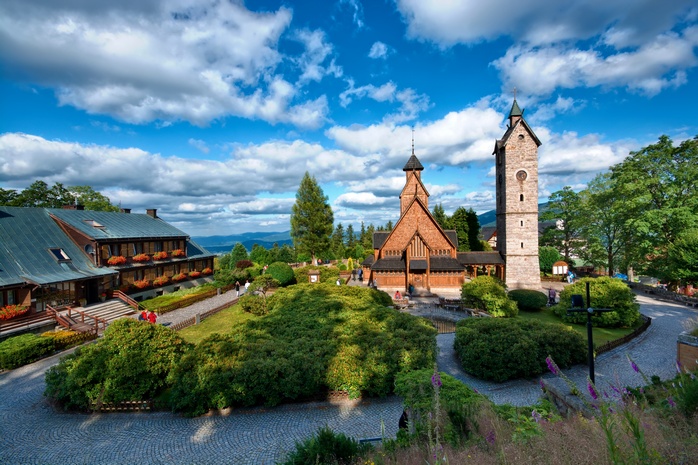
[[237, 287], [148, 315], [359, 273]]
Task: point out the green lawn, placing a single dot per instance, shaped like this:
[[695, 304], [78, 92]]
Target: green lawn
[[221, 322], [601, 335]]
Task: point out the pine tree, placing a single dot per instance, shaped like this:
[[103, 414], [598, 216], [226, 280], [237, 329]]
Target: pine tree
[[459, 222], [473, 230], [440, 216], [351, 237], [238, 253], [337, 241], [311, 219]]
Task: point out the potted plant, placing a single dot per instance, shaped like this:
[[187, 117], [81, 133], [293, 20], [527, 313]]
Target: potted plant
[[141, 284], [178, 253], [194, 274], [179, 277], [160, 256], [207, 271], [103, 296], [161, 281], [116, 260], [141, 258]]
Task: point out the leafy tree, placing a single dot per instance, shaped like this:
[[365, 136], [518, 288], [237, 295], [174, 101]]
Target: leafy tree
[[459, 222], [337, 241], [351, 237], [547, 256], [311, 219], [91, 199], [39, 194], [683, 256], [605, 292], [282, 272], [8, 197], [238, 253], [286, 254], [259, 254], [440, 216], [473, 230], [659, 184], [564, 207], [489, 294]]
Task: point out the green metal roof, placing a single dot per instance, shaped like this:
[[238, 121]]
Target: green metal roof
[[27, 236], [110, 225], [515, 110]]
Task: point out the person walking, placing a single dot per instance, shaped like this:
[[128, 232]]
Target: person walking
[[237, 288], [152, 317], [247, 285], [143, 316]]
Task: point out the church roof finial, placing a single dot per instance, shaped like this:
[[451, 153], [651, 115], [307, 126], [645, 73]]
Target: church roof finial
[[412, 140], [413, 163], [515, 110]]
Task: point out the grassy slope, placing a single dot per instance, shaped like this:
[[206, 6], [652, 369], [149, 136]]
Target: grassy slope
[[222, 322], [601, 335]]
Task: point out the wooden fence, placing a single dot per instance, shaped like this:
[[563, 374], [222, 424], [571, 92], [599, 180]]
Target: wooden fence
[[192, 321], [192, 300], [126, 406], [627, 338]]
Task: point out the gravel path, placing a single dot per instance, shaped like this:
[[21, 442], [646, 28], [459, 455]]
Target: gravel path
[[32, 432], [185, 313]]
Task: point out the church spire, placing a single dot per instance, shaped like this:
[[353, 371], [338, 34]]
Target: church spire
[[515, 113]]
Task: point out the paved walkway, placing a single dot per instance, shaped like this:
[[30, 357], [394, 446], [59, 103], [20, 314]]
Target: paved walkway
[[32, 432]]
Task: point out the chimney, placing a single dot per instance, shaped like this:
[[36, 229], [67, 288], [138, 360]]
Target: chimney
[[152, 212], [73, 207], [125, 210]]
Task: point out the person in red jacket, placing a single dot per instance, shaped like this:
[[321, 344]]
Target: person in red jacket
[[152, 317], [143, 316]]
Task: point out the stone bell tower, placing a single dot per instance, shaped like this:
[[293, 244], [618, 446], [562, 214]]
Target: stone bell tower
[[517, 202]]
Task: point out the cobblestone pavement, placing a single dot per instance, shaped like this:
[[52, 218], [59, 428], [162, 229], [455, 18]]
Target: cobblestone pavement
[[31, 431], [654, 352]]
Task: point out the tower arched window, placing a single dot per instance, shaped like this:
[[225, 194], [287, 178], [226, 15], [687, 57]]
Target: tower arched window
[[521, 197]]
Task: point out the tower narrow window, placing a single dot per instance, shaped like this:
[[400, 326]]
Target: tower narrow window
[[521, 222], [521, 198], [522, 245]]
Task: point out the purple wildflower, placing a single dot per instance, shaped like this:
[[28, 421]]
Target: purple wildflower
[[671, 402], [536, 416], [552, 366], [678, 367], [636, 369], [436, 379], [592, 391], [490, 438]]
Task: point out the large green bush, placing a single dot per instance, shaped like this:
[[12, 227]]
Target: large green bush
[[459, 402], [605, 292], [326, 448], [528, 300], [328, 274], [282, 272], [502, 349], [316, 337], [489, 294], [131, 362], [20, 350]]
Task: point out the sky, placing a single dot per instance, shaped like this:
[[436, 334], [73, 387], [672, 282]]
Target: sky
[[211, 111]]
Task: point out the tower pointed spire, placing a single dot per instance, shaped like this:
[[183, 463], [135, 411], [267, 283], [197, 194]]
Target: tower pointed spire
[[412, 140]]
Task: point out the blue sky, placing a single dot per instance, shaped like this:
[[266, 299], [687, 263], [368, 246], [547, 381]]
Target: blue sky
[[212, 111]]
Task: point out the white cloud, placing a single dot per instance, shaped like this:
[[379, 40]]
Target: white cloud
[[199, 145], [165, 60], [411, 103], [357, 13], [547, 111], [649, 69], [379, 50], [316, 52]]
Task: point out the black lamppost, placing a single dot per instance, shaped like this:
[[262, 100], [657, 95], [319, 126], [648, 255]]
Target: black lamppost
[[578, 307]]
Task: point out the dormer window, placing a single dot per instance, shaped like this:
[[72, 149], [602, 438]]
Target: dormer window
[[59, 254], [94, 224]]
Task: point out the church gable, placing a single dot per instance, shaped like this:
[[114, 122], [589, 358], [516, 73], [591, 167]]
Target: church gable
[[417, 220], [413, 189]]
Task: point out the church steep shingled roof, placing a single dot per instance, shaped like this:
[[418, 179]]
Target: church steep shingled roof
[[413, 164]]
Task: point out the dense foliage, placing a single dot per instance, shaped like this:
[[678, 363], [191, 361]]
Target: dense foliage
[[314, 338], [282, 272], [489, 294], [39, 194], [26, 348], [500, 349], [328, 274], [312, 220], [605, 292], [131, 362], [547, 256], [528, 300], [326, 447], [459, 402]]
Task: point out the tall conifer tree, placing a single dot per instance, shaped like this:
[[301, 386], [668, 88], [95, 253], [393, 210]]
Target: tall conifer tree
[[311, 219]]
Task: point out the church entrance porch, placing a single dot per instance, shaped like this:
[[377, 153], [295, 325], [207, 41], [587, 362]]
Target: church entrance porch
[[418, 280]]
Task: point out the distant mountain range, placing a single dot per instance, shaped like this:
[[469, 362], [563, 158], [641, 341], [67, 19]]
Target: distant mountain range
[[268, 239]]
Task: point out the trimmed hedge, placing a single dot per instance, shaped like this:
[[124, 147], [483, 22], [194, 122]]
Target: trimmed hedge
[[328, 274], [315, 338], [489, 294], [64, 339], [605, 292], [282, 272], [21, 350], [503, 349], [326, 447], [528, 300], [131, 362]]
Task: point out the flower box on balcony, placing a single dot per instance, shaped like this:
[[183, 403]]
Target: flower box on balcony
[[141, 284], [161, 281], [178, 253], [207, 271], [160, 256], [141, 258], [194, 274], [116, 260], [11, 311], [179, 277]]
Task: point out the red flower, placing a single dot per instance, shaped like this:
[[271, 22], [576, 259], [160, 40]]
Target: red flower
[[11, 311], [160, 256], [206, 271], [116, 260], [194, 274], [161, 281], [178, 253], [141, 258], [142, 284]]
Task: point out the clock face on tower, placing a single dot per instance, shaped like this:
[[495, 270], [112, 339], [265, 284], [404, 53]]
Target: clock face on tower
[[521, 175]]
